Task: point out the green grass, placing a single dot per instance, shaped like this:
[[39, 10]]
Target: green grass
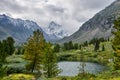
[[90, 55], [72, 55], [19, 77], [15, 59], [31, 77], [70, 52]]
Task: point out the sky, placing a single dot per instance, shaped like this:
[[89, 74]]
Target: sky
[[71, 14]]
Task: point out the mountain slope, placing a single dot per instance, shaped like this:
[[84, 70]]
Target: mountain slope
[[98, 26], [19, 29], [55, 31]]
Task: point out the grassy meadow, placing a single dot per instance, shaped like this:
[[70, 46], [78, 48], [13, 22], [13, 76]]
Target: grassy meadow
[[101, 57]]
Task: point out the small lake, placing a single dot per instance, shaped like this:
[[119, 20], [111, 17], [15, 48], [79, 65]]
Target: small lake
[[72, 68]]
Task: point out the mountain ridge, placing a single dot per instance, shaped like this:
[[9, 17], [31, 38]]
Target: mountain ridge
[[98, 26], [19, 29]]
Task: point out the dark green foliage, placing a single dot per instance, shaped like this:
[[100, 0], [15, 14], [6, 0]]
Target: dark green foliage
[[80, 46], [19, 51], [3, 70], [40, 56], [70, 44], [50, 62], [116, 40], [97, 45], [103, 48], [113, 47], [63, 78], [57, 48], [65, 57], [102, 39], [85, 43], [94, 40], [12, 70], [76, 46], [108, 39], [10, 45], [66, 46], [86, 76], [34, 50], [116, 44], [7, 47], [3, 53]]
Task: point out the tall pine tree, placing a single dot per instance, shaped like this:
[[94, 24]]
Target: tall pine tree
[[116, 44], [3, 55], [70, 44], [50, 62], [10, 45], [34, 50], [3, 51], [96, 45], [57, 48]]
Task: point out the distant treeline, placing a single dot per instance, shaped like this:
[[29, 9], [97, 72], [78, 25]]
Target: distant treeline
[[70, 45]]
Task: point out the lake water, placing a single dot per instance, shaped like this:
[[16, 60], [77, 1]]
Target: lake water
[[72, 68]]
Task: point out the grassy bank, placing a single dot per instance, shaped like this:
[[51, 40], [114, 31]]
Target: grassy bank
[[109, 75], [89, 55], [16, 64]]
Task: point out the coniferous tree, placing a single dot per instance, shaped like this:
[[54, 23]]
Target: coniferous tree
[[7, 46], [65, 46], [3, 70], [92, 41], [3, 55], [76, 46], [97, 45], [80, 46], [70, 44], [3, 51], [19, 50], [85, 43], [103, 48], [10, 45], [57, 48], [108, 39], [34, 50], [116, 44], [50, 62], [101, 39]]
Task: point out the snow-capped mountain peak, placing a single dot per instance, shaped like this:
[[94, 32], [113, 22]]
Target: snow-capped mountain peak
[[55, 31], [54, 28], [19, 29]]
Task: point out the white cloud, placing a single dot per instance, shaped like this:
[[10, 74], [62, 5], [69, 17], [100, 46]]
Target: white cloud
[[69, 13]]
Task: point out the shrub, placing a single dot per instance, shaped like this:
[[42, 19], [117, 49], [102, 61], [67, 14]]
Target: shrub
[[15, 70]]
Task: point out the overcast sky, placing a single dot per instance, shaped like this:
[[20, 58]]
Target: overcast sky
[[71, 14]]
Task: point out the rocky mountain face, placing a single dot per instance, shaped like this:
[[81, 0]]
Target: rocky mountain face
[[55, 31], [98, 26], [19, 29]]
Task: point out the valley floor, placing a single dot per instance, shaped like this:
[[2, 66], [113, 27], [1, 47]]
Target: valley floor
[[101, 57]]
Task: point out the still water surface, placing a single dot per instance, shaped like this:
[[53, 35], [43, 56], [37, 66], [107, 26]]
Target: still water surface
[[72, 68]]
